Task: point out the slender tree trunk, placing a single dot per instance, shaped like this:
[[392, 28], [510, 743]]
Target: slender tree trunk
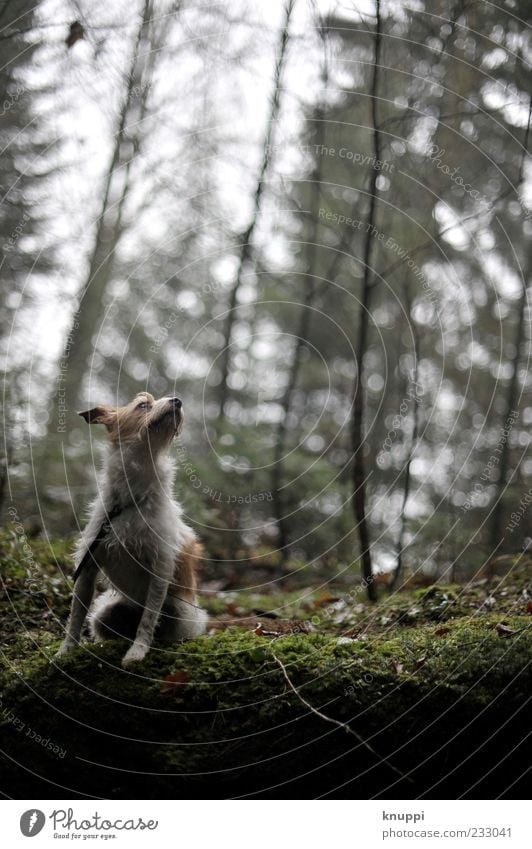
[[302, 333], [510, 402], [295, 360], [400, 545], [85, 321], [16, 127], [5, 460], [359, 472], [247, 237], [411, 448], [496, 534]]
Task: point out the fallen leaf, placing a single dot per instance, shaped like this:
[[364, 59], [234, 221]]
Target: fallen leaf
[[269, 627], [396, 666], [325, 598], [170, 682], [529, 607], [504, 631], [282, 627], [441, 632], [352, 632], [420, 662]]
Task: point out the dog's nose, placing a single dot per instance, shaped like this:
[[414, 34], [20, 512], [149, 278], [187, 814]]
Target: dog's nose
[[177, 403]]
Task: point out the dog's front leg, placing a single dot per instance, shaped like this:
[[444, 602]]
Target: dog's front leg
[[157, 591], [81, 601]]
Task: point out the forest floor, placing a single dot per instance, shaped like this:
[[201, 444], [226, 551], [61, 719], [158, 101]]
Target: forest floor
[[298, 692]]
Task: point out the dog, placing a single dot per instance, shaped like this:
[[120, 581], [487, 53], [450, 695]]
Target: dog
[[136, 537]]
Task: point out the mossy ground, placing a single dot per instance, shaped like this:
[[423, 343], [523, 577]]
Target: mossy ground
[[433, 684]]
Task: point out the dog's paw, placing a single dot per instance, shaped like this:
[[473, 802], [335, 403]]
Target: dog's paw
[[63, 649], [138, 651]]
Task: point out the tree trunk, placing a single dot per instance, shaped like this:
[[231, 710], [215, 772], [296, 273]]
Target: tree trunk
[[301, 339], [18, 217], [411, 448], [359, 472], [400, 545], [247, 237], [89, 311], [496, 534], [497, 517]]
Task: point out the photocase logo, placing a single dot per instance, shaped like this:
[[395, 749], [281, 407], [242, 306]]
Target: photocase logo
[[32, 822]]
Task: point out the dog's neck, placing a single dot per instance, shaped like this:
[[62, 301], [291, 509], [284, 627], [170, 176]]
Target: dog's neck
[[131, 476]]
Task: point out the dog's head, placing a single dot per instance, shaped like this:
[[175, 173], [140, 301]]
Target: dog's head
[[148, 423]]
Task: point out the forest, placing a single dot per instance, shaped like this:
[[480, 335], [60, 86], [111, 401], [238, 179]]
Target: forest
[[312, 222]]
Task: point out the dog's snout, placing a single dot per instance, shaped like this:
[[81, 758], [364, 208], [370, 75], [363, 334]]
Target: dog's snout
[[177, 403]]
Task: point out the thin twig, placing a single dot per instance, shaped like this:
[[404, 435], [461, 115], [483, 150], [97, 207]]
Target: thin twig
[[343, 725]]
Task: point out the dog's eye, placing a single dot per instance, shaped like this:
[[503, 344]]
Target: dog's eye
[[144, 405]]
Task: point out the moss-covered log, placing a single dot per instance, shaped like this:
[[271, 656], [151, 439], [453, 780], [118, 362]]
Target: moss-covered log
[[216, 716], [434, 686]]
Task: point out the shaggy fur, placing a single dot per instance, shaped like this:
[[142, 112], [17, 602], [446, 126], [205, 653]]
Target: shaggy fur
[[149, 556]]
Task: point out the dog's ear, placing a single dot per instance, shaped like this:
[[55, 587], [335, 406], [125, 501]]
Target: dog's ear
[[102, 414]]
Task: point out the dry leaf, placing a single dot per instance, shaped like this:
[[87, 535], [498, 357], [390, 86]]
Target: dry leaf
[[324, 599], [420, 662], [352, 632], [504, 631], [396, 666], [282, 627], [170, 682], [441, 632]]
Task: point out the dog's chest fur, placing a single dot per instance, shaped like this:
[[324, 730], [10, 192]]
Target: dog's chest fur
[[149, 532]]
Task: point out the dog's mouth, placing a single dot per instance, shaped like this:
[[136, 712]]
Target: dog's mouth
[[172, 416]]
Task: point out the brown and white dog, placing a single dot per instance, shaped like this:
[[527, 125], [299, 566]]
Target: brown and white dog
[[147, 554]]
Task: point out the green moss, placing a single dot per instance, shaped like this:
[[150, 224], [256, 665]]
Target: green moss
[[187, 708], [217, 716]]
